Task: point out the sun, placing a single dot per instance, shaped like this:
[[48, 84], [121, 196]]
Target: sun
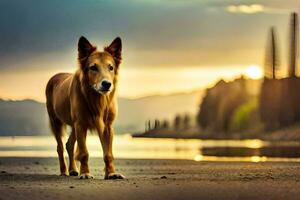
[[254, 72]]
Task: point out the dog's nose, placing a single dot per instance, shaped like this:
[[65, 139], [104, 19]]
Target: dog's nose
[[106, 85]]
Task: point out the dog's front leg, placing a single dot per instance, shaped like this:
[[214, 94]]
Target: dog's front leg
[[83, 155], [106, 138]]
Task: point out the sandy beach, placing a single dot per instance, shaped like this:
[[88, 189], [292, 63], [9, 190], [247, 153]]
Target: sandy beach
[[36, 178]]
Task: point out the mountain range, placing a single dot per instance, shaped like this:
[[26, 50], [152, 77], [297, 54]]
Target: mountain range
[[29, 117]]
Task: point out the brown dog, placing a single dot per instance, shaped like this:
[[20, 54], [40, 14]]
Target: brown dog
[[85, 101]]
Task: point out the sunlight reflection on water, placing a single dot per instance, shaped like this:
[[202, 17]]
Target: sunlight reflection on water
[[141, 148]]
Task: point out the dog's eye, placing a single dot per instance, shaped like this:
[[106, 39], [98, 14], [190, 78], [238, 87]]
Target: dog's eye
[[110, 67], [94, 68]]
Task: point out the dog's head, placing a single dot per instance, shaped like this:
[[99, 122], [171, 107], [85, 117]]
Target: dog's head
[[100, 68]]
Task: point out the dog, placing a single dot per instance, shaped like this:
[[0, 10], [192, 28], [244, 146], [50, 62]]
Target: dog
[[86, 100]]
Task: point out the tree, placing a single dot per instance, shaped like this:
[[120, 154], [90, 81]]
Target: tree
[[149, 125], [186, 121], [272, 59], [156, 124], [293, 44], [177, 122], [165, 124]]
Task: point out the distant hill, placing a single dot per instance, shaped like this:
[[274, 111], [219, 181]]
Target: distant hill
[[29, 117], [134, 112], [24, 117]]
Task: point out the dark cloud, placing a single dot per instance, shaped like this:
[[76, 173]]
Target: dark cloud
[[32, 28]]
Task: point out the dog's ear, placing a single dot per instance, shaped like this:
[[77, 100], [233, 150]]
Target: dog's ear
[[85, 48], [115, 49]]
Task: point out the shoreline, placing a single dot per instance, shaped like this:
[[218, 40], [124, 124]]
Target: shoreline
[[291, 133]]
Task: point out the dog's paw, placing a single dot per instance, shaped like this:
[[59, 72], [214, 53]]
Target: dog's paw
[[73, 173], [114, 176], [86, 176], [63, 174]]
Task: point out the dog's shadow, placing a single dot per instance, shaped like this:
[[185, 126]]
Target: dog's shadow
[[31, 177]]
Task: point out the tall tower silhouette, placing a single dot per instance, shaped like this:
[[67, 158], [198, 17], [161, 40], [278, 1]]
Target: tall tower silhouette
[[272, 58], [294, 29]]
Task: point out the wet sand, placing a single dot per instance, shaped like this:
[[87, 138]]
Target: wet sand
[[36, 178]]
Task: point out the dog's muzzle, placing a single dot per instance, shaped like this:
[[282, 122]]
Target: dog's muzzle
[[103, 87]]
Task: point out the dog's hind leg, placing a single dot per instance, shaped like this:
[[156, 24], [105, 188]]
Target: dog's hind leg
[[73, 171], [58, 129]]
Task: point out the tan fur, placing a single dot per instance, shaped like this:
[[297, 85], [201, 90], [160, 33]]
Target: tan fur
[[73, 100]]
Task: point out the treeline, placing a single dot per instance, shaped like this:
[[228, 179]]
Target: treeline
[[180, 121], [229, 106], [280, 102]]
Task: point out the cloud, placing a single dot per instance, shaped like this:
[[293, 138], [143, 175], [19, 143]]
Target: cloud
[[249, 9], [254, 8]]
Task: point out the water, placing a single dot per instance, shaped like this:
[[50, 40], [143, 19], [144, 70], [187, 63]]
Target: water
[[147, 148]]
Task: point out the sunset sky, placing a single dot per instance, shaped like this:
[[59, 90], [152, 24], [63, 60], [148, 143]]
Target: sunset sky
[[168, 45]]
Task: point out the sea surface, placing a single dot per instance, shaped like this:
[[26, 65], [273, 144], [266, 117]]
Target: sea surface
[[126, 146]]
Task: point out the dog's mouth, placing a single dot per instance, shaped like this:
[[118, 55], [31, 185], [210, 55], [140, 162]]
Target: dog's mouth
[[101, 90]]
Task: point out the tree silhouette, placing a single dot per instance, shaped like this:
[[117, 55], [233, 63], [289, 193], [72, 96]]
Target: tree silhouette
[[293, 44], [165, 124], [149, 125], [186, 121], [272, 59], [177, 122], [156, 124]]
